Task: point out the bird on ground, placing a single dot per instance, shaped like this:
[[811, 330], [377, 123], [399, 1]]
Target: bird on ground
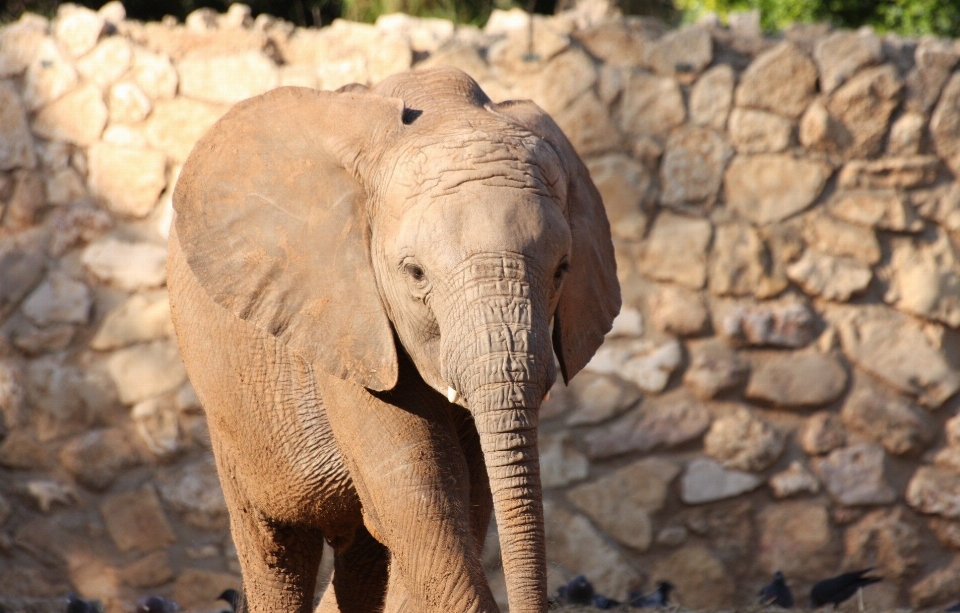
[[156, 604], [777, 593], [603, 603], [837, 589], [577, 591], [231, 597], [75, 604], [660, 597]]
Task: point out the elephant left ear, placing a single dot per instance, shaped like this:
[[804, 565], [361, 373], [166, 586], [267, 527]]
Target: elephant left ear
[[591, 293]]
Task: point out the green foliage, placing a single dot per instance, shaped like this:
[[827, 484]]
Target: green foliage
[[904, 17]]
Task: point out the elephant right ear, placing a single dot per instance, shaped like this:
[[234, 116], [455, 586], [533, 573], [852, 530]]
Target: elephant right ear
[[272, 220]]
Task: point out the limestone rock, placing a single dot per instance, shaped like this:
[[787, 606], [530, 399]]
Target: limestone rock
[[681, 52], [76, 224], [742, 441], [561, 463], [152, 570], [49, 76], [821, 131], [905, 360], [600, 397], [578, 547], [937, 587], [832, 236], [701, 579], [677, 310], [712, 96], [176, 125], [842, 53], [885, 209], [628, 191], [627, 323], [96, 458], [755, 131], [78, 28], [142, 371], [641, 362], [926, 278], [890, 420], [78, 117], [897, 172], [19, 41], [796, 538], [128, 180], [740, 263], [801, 379], [34, 341], [676, 250], [796, 479], [16, 144], [588, 125], [24, 207], [864, 105], [935, 490], [47, 492], [651, 105], [614, 43], [854, 475], [833, 278], [621, 502], [194, 588], [59, 299], [947, 531], [886, 540], [767, 188], [715, 368], [155, 75], [784, 323], [509, 52], [426, 35], [693, 166], [22, 264], [906, 134], [21, 450], [708, 481], [763, 86], [65, 187], [940, 204], [108, 61], [561, 81], [128, 103], [130, 266], [667, 421], [135, 520], [934, 59], [945, 124], [226, 78], [194, 490], [155, 420], [142, 317]]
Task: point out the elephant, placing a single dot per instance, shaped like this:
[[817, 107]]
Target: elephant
[[372, 290]]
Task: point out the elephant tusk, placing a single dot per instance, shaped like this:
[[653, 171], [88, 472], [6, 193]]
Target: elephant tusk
[[547, 397], [452, 395]]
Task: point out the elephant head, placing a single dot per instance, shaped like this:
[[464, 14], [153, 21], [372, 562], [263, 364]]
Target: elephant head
[[470, 231]]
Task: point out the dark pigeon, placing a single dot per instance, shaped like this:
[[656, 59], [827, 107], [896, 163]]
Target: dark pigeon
[[604, 603], [231, 597], [75, 604], [156, 604], [660, 597], [577, 591], [838, 589], [776, 593]]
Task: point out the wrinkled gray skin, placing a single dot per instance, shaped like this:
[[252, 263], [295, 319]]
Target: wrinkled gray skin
[[339, 261]]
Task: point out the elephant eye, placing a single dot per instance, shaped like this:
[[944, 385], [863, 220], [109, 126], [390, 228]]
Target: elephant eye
[[562, 269], [416, 273]]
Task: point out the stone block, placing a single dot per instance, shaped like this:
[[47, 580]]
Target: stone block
[[701, 579], [176, 125], [16, 143], [833, 278], [742, 441], [629, 192], [842, 53], [714, 368], [128, 180], [675, 250], [97, 458], [707, 480], [597, 398], [641, 362], [741, 263], [693, 165], [129, 266], [797, 539], [712, 96], [194, 491], [146, 370], [77, 28], [142, 317], [78, 117], [154, 74], [891, 172], [152, 570], [855, 475], [136, 520], [226, 79], [49, 76], [925, 278], [108, 61], [864, 105], [935, 490], [681, 53], [763, 86], [59, 299], [677, 310], [587, 123], [887, 540], [886, 418], [796, 479], [753, 131], [801, 379], [768, 188], [651, 105]]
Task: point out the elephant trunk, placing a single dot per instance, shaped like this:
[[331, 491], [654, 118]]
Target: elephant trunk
[[503, 372]]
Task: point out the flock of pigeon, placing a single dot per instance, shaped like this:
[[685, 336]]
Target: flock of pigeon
[[579, 591], [777, 593]]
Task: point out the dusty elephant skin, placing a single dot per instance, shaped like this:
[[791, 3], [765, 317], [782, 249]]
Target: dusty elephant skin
[[362, 284]]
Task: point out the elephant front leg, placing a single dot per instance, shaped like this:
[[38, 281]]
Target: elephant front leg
[[359, 581], [414, 484]]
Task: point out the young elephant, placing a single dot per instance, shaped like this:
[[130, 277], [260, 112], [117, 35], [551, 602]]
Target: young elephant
[[363, 285]]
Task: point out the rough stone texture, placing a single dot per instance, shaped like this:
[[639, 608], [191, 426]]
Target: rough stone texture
[[701, 579], [628, 190], [708, 481], [666, 421], [79, 117], [885, 209], [892, 421], [796, 479], [841, 54], [926, 278], [155, 74], [742, 441], [886, 540], [907, 360], [945, 124], [226, 78], [154, 419], [622, 502], [16, 144], [676, 250], [759, 131], [863, 105], [796, 538], [142, 317], [854, 475], [599, 398], [651, 105], [833, 278], [49, 76], [107, 62], [693, 166], [800, 379], [935, 490], [194, 490], [561, 463], [714, 368], [135, 520], [78, 28], [145, 370], [646, 365], [175, 125], [678, 310], [712, 96], [785, 323], [740, 263], [97, 458], [59, 299], [194, 588], [768, 188], [685, 51], [832, 236], [130, 266], [124, 192], [763, 86], [897, 172]]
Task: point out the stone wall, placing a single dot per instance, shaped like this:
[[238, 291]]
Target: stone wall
[[778, 393]]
